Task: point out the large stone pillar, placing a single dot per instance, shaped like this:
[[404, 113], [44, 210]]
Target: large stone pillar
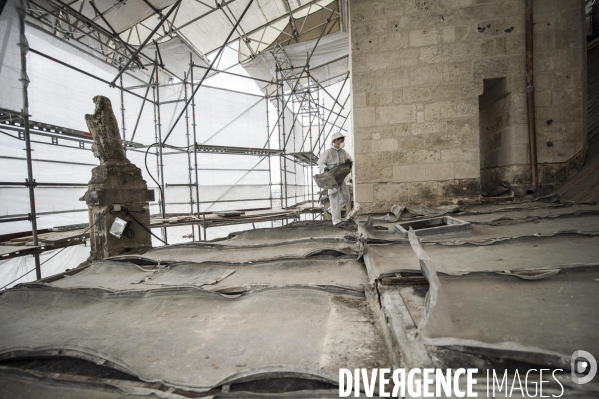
[[116, 189]]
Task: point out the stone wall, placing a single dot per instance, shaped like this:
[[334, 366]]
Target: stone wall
[[417, 73], [496, 128]]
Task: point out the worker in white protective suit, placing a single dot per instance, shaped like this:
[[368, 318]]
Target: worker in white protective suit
[[330, 158]]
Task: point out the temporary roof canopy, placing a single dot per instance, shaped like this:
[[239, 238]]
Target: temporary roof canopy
[[115, 31]]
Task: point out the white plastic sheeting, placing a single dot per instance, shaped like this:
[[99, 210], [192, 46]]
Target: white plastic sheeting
[[11, 97], [57, 261], [62, 96], [292, 175], [332, 47], [223, 118], [262, 23], [175, 54], [121, 15]]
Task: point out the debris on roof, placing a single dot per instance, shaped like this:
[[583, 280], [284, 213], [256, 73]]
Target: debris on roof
[[280, 311]]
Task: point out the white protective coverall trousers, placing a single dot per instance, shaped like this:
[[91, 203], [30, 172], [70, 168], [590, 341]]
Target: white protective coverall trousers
[[338, 197]]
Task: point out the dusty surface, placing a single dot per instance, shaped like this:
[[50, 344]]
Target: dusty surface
[[295, 303], [215, 338]]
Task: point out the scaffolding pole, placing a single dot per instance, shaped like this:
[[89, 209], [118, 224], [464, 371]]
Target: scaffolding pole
[[310, 187], [158, 137], [123, 114], [284, 145], [195, 144], [269, 165], [209, 68], [25, 114], [190, 185], [280, 135], [321, 132]]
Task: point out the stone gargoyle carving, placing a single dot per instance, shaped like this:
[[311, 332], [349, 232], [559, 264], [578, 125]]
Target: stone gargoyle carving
[[104, 128]]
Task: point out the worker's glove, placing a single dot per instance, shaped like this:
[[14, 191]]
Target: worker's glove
[[349, 162], [326, 169]]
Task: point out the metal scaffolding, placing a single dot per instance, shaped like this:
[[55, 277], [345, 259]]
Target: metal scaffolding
[[293, 89]]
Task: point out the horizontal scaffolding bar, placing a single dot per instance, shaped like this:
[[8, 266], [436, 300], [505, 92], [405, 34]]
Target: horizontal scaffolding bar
[[236, 74], [8, 220], [48, 160], [234, 170], [36, 184], [86, 73], [47, 213], [54, 131], [219, 201], [217, 149]]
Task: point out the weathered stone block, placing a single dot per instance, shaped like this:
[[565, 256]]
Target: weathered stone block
[[362, 28], [395, 114], [465, 188], [517, 134], [435, 54], [467, 108], [566, 97], [569, 38], [373, 175], [459, 154], [427, 127], [489, 69], [545, 21], [384, 145], [457, 71], [440, 110], [487, 48], [420, 113], [364, 116], [542, 41], [359, 100], [422, 156], [365, 45], [365, 82], [423, 191], [391, 79], [419, 38], [569, 19], [391, 192], [439, 171], [467, 170], [380, 98], [363, 147], [401, 58], [465, 51], [448, 4], [498, 9], [409, 173], [417, 94], [364, 192], [394, 41], [397, 96], [425, 75], [455, 33], [457, 90]]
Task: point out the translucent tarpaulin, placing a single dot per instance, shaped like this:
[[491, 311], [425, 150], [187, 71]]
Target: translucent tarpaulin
[[53, 262], [62, 96], [11, 97], [327, 59], [262, 23]]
